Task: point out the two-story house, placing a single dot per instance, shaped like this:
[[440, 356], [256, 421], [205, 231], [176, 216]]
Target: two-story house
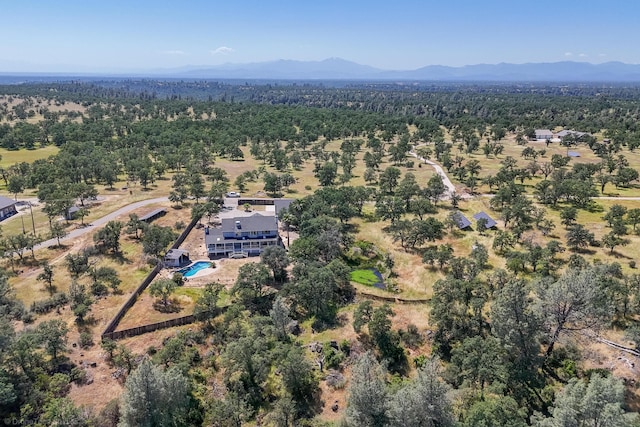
[[242, 235]]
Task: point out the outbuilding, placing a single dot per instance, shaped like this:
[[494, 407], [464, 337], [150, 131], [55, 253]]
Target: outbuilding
[[176, 258]]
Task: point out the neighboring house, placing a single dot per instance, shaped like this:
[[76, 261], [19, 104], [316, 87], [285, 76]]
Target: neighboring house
[[7, 207], [157, 213], [490, 221], [563, 133], [176, 258], [243, 235], [543, 134], [461, 221]]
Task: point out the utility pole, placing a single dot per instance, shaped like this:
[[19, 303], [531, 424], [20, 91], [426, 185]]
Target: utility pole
[[33, 222]]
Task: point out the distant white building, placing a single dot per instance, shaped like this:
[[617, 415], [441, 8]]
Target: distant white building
[[543, 134]]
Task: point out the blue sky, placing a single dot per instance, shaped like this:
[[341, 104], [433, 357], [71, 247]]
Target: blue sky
[[116, 35]]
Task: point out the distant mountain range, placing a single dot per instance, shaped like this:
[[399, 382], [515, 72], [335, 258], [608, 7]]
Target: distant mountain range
[[340, 69]]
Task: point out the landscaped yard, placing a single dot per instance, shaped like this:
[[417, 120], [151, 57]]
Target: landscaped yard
[[365, 277]]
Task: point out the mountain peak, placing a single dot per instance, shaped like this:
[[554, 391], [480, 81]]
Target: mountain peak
[[335, 68]]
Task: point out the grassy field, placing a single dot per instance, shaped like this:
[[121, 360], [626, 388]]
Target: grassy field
[[11, 157]]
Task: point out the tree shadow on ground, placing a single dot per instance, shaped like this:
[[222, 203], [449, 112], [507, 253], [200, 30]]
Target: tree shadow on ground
[[172, 306]]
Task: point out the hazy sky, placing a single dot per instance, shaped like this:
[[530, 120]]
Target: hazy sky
[[115, 35]]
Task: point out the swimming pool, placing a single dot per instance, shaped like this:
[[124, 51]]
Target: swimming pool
[[194, 268]]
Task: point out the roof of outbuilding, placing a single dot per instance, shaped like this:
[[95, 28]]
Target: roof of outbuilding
[[490, 221], [5, 202], [154, 213], [175, 253], [461, 220]]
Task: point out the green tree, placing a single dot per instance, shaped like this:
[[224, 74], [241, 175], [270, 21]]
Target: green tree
[[105, 276], [388, 179], [579, 237], [62, 411], [362, 315], [299, 380], [423, 402], [596, 404], [479, 362], [435, 188], [134, 225], [573, 302], [612, 240], [17, 184], [57, 231], [206, 307], [250, 284], [108, 237], [77, 264], [500, 411], [46, 276], [367, 401], [53, 335], [156, 239], [385, 339], [327, 174], [633, 217], [163, 289], [276, 258], [568, 216], [280, 318], [154, 398]]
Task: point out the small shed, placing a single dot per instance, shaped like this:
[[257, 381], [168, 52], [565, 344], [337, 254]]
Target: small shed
[[490, 221], [71, 213], [176, 258], [461, 221], [156, 213]]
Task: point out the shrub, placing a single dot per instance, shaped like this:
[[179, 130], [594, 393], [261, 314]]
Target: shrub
[[28, 317], [78, 375], [178, 279], [332, 357], [336, 380], [411, 337], [632, 264], [179, 225], [86, 340], [345, 347], [45, 306]]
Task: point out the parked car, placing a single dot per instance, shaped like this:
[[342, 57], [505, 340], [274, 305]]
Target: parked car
[[233, 194]]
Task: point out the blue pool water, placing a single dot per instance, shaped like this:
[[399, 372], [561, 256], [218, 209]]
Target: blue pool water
[[194, 268]]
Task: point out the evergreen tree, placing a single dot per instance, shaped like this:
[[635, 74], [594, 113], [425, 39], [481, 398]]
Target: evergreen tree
[[367, 404], [153, 397]]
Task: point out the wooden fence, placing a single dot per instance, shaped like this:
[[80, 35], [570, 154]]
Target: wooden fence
[[113, 324], [396, 300], [139, 330]]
